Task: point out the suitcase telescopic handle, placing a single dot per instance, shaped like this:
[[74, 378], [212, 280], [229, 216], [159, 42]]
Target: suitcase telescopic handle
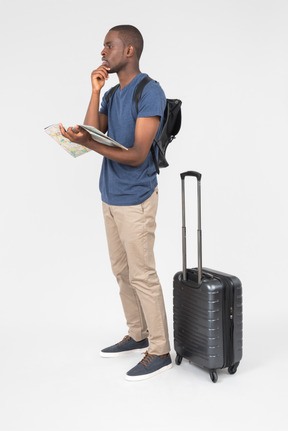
[[199, 231]]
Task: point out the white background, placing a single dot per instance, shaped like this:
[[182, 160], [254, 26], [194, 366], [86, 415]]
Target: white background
[[227, 61]]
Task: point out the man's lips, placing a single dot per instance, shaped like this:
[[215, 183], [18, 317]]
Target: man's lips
[[105, 63]]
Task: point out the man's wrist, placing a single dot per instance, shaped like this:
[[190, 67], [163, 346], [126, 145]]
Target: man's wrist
[[96, 92], [90, 140]]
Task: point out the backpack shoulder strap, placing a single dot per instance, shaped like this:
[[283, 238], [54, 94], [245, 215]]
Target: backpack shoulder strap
[[111, 92], [139, 89], [136, 99]]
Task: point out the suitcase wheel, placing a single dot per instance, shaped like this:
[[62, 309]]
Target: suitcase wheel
[[178, 359], [233, 368], [213, 375]]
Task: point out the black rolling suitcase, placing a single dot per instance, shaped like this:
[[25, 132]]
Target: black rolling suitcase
[[207, 309]]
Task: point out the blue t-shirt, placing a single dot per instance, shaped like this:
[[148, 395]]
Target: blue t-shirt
[[122, 184]]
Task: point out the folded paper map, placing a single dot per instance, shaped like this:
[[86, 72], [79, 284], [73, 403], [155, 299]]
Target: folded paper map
[[75, 149]]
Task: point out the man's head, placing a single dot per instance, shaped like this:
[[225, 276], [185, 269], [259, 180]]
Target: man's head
[[123, 46], [130, 36]]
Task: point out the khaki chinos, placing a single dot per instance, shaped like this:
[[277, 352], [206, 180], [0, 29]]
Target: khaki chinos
[[130, 234]]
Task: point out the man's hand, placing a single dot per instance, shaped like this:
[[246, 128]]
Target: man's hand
[[98, 77], [76, 134]]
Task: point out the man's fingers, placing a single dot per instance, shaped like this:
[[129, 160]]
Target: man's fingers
[[100, 76], [100, 73], [66, 133], [63, 131], [102, 69], [76, 130]]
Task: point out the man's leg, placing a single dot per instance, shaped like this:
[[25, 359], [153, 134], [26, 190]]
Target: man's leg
[[136, 227], [130, 301]]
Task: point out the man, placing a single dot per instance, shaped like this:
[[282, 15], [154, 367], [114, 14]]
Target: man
[[128, 185]]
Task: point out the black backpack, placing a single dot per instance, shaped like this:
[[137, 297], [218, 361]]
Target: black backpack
[[171, 123]]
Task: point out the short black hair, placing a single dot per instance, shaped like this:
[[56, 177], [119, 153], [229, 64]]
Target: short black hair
[[130, 35]]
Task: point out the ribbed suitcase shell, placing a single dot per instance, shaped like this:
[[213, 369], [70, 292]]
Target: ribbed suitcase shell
[[208, 319]]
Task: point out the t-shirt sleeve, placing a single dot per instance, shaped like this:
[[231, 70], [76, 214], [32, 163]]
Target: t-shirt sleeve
[[152, 102]]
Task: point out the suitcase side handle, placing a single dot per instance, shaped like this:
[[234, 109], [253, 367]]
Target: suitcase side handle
[[191, 174], [199, 231]]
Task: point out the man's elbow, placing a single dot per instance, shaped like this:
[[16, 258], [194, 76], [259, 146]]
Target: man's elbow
[[136, 163], [138, 159]]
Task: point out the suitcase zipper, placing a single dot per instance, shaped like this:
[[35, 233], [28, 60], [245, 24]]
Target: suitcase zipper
[[228, 322]]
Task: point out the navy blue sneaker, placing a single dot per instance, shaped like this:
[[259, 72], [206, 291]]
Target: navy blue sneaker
[[150, 366], [124, 346]]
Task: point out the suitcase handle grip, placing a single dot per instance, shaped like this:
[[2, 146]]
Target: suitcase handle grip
[[199, 231], [191, 174]]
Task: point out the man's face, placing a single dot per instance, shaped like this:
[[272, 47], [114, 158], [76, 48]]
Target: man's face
[[113, 54]]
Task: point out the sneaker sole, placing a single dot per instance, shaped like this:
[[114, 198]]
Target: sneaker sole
[[147, 376], [125, 352]]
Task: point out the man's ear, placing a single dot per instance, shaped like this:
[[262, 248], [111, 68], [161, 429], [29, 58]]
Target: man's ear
[[130, 51]]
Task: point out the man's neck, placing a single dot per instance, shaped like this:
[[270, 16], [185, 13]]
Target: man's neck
[[126, 77]]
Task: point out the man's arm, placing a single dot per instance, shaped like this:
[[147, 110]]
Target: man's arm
[[145, 132], [93, 117]]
